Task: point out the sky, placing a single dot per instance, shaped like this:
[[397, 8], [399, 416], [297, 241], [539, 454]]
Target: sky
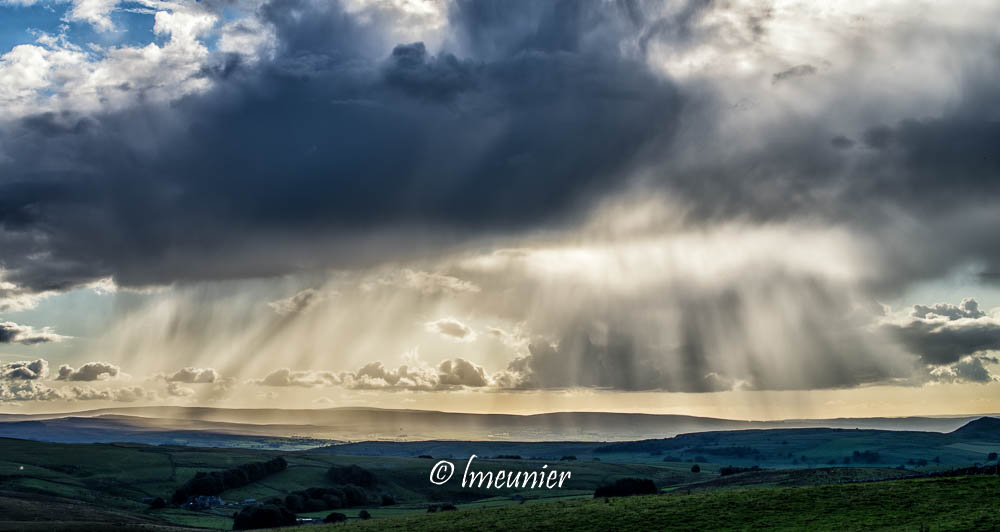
[[753, 210]]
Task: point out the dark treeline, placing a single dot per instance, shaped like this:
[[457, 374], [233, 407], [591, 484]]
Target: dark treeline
[[215, 482], [732, 470], [319, 499], [355, 488], [625, 487]]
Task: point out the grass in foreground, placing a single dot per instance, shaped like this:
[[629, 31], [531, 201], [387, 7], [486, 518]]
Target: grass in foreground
[[963, 503]]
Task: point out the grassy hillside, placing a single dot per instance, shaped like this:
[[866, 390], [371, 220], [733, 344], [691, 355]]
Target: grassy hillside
[[107, 483], [963, 503]]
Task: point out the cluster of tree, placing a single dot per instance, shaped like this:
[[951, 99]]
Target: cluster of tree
[[215, 482], [739, 451], [918, 462], [865, 457], [319, 499], [991, 456], [263, 516], [732, 470], [568, 458], [978, 469], [441, 507], [355, 483], [352, 474], [625, 487], [335, 517], [508, 457]]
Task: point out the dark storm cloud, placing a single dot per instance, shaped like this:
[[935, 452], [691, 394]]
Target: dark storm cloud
[[12, 333], [973, 370], [941, 343], [441, 78], [325, 144], [943, 333], [523, 116]]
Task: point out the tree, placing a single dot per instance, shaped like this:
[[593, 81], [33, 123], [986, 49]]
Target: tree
[[696, 468], [363, 514], [335, 517], [263, 516], [992, 456]]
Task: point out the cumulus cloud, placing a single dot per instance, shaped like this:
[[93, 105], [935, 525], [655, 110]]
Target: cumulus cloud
[[176, 389], [12, 333], [15, 299], [969, 369], [460, 372], [296, 304], [287, 377], [449, 374], [375, 376], [17, 391], [968, 308], [27, 391], [944, 334], [24, 370], [191, 375], [452, 329], [91, 371], [128, 394]]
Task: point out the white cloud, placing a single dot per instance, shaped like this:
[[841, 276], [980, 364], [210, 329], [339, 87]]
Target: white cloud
[[129, 394], [452, 329], [427, 283], [175, 389], [18, 391], [298, 303], [91, 371], [287, 377], [191, 375], [12, 333]]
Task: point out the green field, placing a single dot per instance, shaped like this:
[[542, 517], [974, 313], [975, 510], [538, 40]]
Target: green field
[[962, 503]]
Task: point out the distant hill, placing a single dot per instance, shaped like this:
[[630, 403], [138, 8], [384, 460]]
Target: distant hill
[[199, 425], [982, 428]]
